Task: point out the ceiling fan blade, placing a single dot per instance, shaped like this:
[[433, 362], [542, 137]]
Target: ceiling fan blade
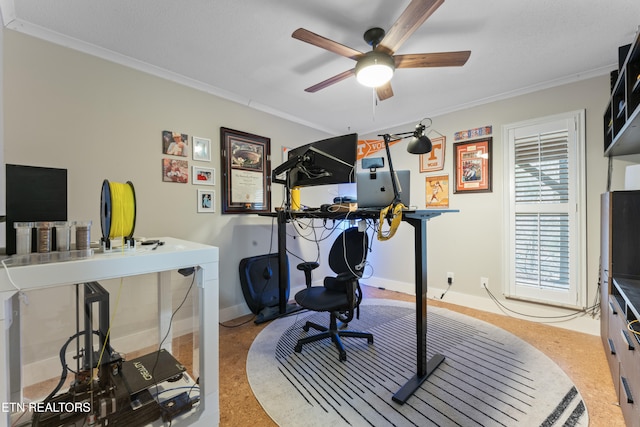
[[324, 43], [384, 91], [439, 59], [410, 20], [332, 80]]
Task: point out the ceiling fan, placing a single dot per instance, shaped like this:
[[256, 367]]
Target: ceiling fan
[[381, 58]]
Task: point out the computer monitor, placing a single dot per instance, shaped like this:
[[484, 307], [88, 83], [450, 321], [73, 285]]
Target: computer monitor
[[329, 161]]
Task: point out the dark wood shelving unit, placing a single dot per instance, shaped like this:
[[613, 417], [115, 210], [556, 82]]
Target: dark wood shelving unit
[[620, 296], [622, 114], [620, 241]]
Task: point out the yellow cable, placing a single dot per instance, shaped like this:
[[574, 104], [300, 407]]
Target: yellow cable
[[395, 221], [631, 329], [123, 209]]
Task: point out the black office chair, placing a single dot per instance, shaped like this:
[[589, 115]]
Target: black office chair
[[340, 295]]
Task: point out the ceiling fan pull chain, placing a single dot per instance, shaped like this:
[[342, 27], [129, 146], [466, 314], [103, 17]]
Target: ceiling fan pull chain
[[374, 104]]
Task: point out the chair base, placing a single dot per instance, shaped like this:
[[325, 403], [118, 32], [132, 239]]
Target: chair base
[[333, 333]]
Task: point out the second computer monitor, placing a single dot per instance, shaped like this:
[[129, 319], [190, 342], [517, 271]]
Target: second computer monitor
[[328, 161]]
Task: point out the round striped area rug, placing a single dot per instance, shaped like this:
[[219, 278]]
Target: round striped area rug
[[489, 376]]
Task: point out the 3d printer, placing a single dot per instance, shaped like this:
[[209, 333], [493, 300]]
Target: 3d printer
[[107, 389]]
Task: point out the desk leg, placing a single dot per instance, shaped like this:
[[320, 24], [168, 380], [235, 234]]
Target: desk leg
[[283, 272], [283, 276], [424, 367], [165, 309]]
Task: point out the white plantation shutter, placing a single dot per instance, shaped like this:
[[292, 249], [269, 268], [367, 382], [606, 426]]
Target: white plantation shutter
[[545, 214], [542, 254], [542, 168]]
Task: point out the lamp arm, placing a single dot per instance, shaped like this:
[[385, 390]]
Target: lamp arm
[[315, 150], [394, 184], [397, 136]]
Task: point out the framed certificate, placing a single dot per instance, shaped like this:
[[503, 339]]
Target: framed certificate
[[246, 168]]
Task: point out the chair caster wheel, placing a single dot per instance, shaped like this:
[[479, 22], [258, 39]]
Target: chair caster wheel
[[370, 340], [298, 348], [343, 356], [305, 328]]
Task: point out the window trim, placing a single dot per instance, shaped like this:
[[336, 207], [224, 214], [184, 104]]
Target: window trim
[[577, 296]]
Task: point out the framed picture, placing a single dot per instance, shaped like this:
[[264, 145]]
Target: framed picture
[[206, 201], [246, 168], [437, 191], [175, 143], [203, 176], [434, 161], [201, 149], [472, 171], [175, 170]]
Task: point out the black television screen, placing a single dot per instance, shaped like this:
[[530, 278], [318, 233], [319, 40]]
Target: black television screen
[[328, 161], [34, 194]]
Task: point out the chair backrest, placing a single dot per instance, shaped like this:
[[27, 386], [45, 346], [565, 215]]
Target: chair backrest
[[349, 251], [259, 280]]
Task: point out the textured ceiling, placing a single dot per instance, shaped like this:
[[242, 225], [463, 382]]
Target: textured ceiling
[[243, 50]]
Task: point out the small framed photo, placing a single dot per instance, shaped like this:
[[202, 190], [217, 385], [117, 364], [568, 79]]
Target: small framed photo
[[203, 176], [174, 170], [206, 201], [472, 170], [437, 191], [175, 143], [201, 149]]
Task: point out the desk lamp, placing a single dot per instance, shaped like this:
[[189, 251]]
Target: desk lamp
[[419, 144]]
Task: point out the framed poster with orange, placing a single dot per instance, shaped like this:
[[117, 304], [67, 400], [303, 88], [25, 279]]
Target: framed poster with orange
[[472, 170], [437, 191]]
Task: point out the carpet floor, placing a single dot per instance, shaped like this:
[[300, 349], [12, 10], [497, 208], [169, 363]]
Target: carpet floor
[[489, 377]]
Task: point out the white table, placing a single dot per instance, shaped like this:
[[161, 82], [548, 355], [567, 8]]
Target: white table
[[173, 255]]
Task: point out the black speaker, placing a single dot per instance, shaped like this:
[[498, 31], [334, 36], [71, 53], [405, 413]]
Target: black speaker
[[34, 194], [259, 280]]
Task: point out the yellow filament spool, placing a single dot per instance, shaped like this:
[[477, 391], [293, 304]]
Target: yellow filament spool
[[118, 211]]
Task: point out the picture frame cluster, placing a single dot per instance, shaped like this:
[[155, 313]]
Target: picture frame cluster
[[175, 166], [472, 166]]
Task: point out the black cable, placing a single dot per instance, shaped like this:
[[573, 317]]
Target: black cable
[[450, 282], [155, 364], [239, 324], [63, 376], [565, 316], [193, 279]]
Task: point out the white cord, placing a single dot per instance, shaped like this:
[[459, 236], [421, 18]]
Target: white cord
[[6, 269]]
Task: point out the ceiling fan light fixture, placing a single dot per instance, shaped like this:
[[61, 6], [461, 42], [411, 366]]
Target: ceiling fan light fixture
[[374, 69]]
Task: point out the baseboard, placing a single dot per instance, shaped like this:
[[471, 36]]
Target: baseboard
[[233, 312], [584, 324]]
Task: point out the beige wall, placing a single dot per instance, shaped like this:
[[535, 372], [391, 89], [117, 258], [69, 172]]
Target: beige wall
[[471, 243], [100, 120], [103, 121]]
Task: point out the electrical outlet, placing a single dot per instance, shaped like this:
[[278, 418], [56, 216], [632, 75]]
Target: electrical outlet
[[484, 282], [450, 278]]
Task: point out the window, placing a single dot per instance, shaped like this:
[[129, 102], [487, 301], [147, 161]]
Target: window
[[545, 219]]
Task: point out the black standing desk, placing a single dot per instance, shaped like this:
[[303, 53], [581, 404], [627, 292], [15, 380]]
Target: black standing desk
[[418, 220]]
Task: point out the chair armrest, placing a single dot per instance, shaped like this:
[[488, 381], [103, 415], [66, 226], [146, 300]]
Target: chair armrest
[[307, 267]]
